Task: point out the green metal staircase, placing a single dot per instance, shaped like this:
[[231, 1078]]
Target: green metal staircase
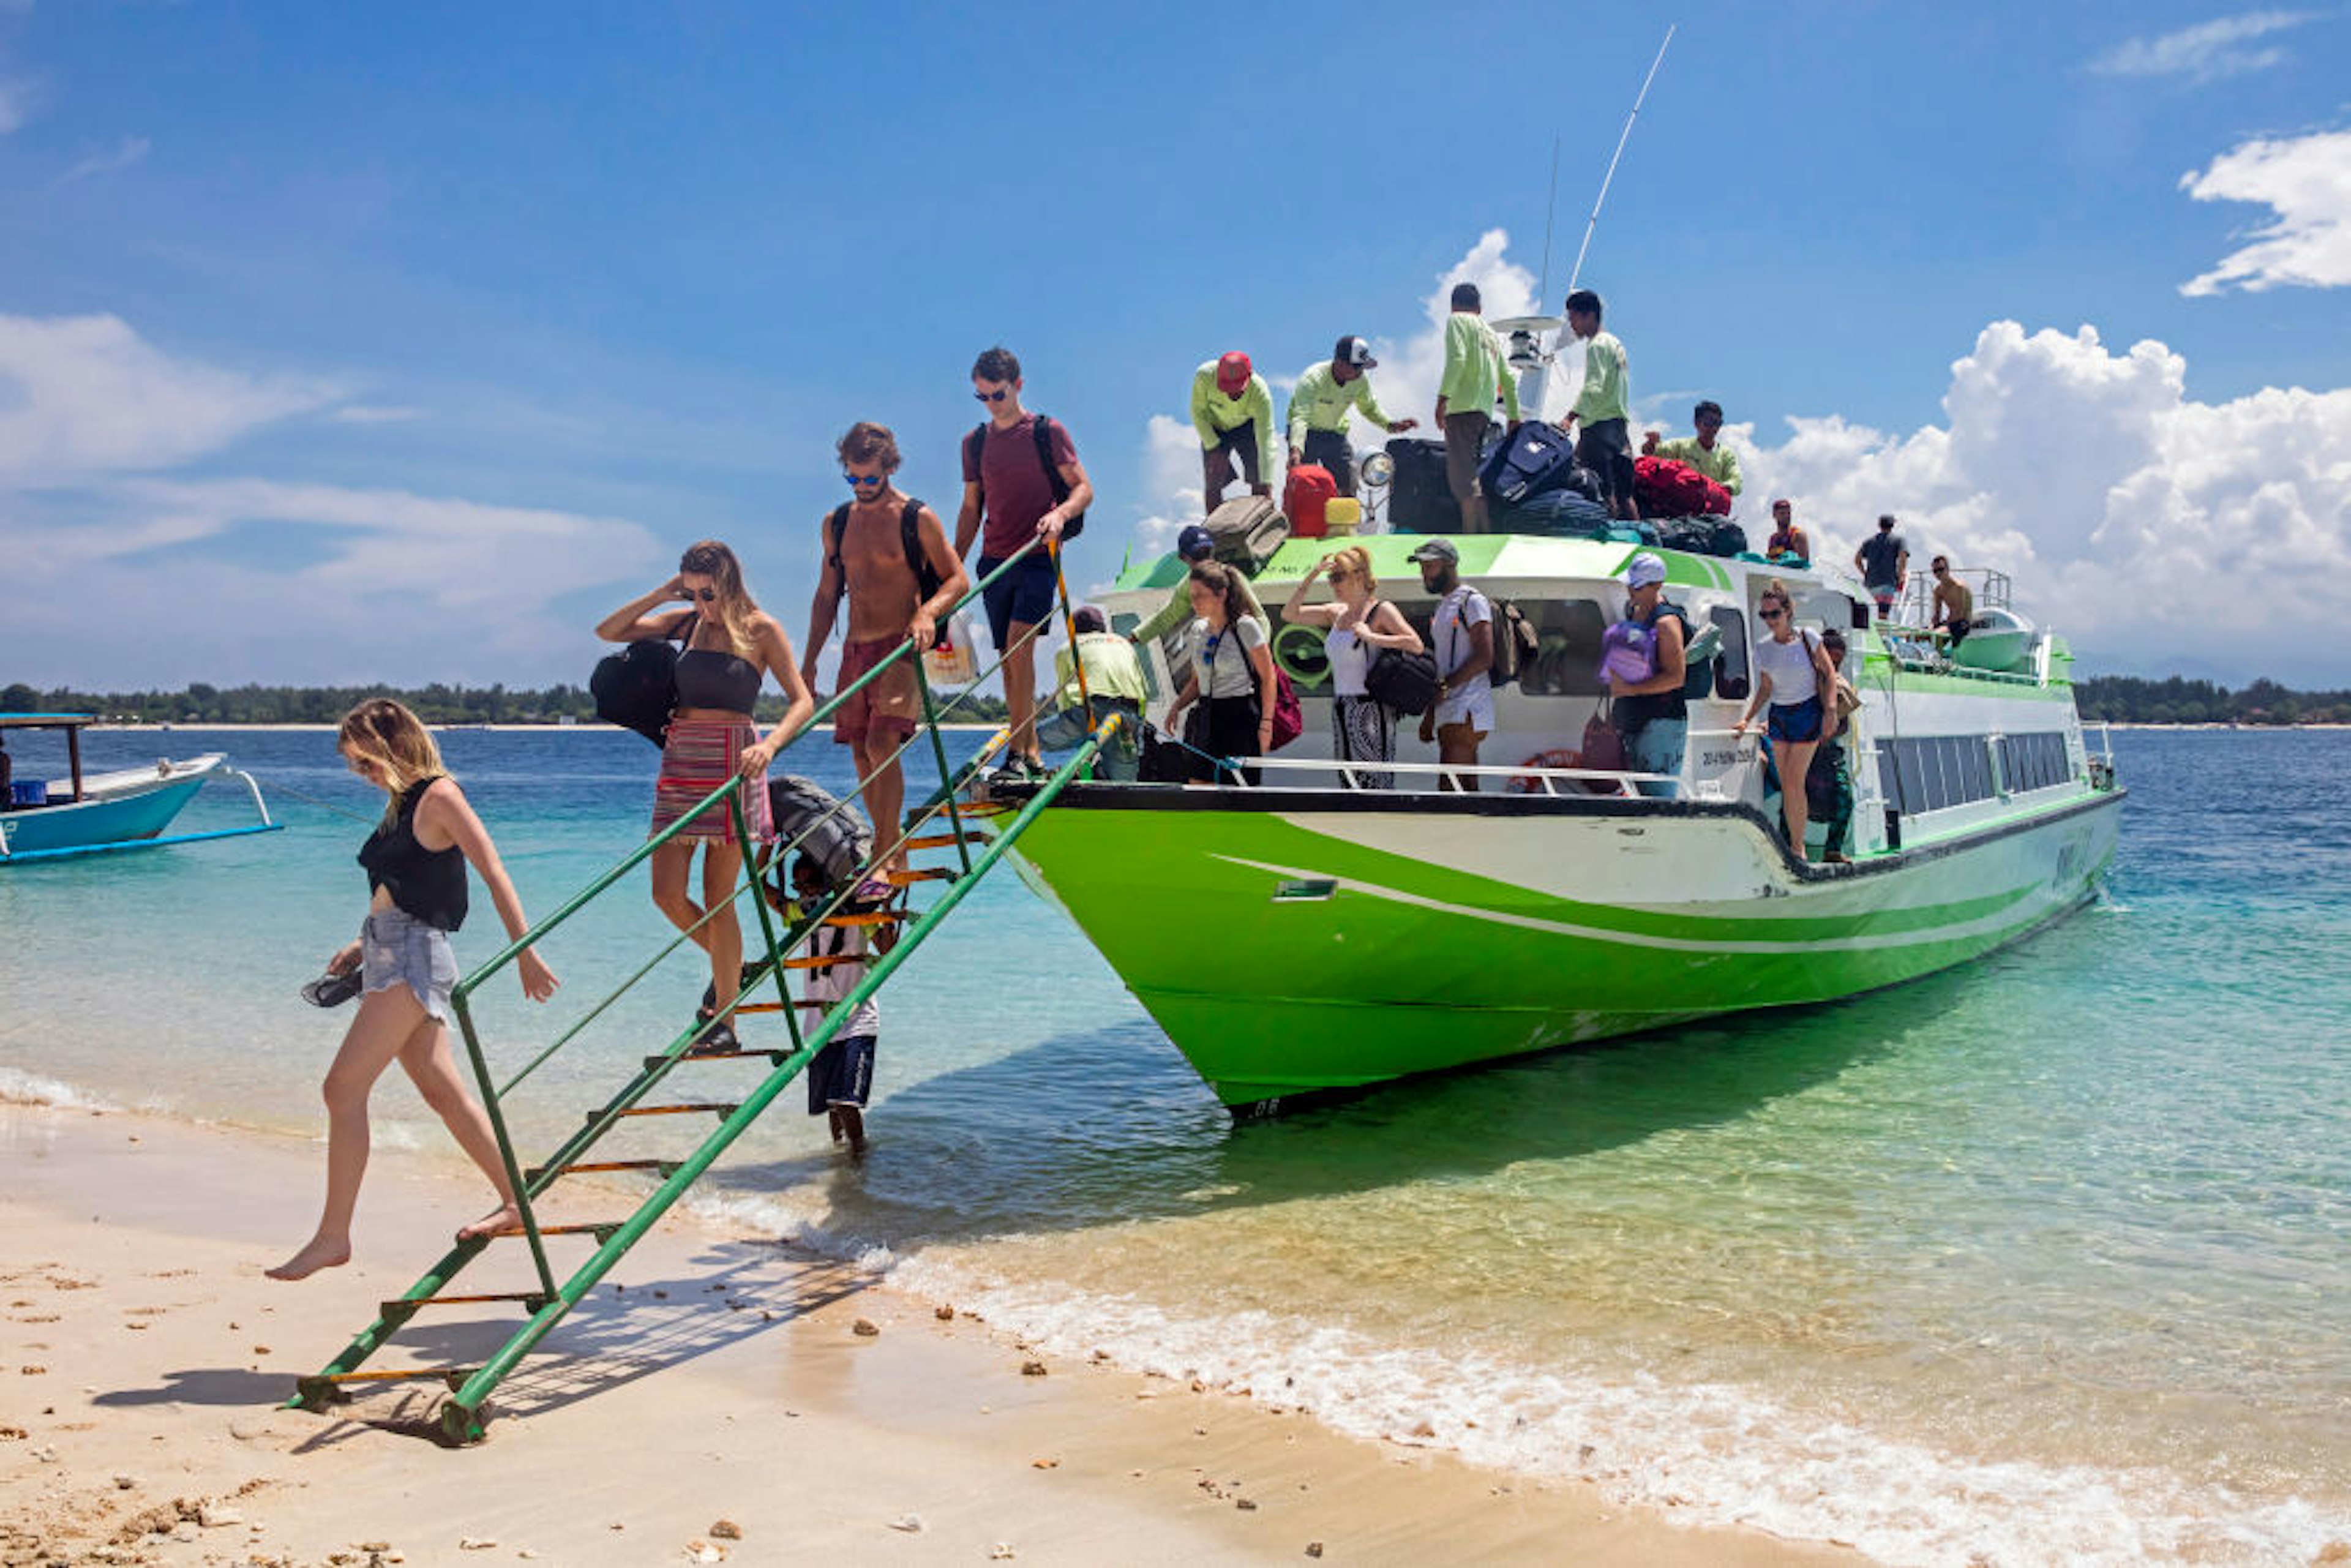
[[979, 834]]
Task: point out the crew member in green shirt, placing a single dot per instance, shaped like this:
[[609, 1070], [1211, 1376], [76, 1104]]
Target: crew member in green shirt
[[1476, 371], [1602, 406], [1706, 451], [1193, 545], [1232, 408], [1115, 683], [1321, 404]]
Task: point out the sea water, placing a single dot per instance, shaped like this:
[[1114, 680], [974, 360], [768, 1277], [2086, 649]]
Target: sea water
[[2042, 1258]]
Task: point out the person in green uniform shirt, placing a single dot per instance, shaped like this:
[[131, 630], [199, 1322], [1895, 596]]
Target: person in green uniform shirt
[[1232, 409], [1319, 406], [1476, 371], [1193, 545], [1602, 406], [1706, 451]]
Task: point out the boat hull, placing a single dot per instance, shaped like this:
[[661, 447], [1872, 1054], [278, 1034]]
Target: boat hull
[[123, 813], [1303, 943]]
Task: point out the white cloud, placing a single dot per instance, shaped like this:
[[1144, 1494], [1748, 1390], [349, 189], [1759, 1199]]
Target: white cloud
[[356, 584], [2306, 180], [375, 413], [16, 105], [2147, 526], [2205, 52], [85, 395], [126, 153]]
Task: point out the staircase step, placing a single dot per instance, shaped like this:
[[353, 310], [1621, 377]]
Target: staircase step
[[451, 1375], [908, 878], [719, 1108], [878, 918], [827, 960], [776, 1055], [532, 1299], [600, 1228], [757, 1008], [944, 841], [665, 1166]]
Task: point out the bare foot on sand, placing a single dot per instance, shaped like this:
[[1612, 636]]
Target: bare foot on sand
[[506, 1217], [320, 1253]]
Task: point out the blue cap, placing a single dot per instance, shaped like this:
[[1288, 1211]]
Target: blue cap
[[1195, 543]]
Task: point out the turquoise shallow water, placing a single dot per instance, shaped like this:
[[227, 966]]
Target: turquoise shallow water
[[2042, 1259]]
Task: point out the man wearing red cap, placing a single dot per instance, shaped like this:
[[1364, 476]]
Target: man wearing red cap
[[1232, 408]]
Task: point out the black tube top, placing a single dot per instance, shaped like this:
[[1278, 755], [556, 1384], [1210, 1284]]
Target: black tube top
[[427, 883], [707, 678]]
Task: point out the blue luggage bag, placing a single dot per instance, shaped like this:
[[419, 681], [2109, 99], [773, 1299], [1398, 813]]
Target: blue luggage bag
[[1539, 457]]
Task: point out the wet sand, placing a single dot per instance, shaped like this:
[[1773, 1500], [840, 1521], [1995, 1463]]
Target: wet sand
[[723, 1382]]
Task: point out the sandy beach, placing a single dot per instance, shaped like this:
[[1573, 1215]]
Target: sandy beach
[[730, 1400]]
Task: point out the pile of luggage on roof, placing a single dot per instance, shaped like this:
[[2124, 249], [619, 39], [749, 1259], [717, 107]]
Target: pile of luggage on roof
[[1535, 485]]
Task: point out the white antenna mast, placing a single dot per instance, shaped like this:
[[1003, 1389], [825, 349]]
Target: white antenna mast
[[1621, 140]]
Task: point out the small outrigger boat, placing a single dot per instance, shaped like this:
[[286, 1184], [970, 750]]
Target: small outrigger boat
[[93, 814]]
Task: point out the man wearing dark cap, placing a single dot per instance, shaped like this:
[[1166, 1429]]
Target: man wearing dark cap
[[1232, 409], [1193, 545], [1476, 371], [1325, 395]]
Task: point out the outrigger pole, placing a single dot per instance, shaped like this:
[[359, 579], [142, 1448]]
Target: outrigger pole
[[1626, 135]]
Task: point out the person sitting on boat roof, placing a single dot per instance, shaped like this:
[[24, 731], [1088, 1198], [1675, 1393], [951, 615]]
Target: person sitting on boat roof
[[1359, 625], [1706, 451], [1788, 536], [1232, 410], [1883, 562], [1476, 371], [1114, 683], [1319, 406], [1230, 675], [1603, 406], [1828, 785], [1193, 545], [1462, 628], [1954, 608], [1651, 714]]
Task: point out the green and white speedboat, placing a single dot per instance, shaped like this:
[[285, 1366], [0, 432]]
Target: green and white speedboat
[[1299, 937]]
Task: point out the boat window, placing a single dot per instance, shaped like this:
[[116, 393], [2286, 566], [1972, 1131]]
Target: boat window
[[2034, 761], [1730, 669], [1567, 659], [1931, 772]]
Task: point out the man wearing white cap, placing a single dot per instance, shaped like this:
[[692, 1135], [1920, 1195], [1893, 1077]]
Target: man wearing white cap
[[1461, 635], [1651, 714], [1319, 406]]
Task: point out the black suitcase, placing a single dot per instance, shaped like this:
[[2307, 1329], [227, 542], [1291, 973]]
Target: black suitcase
[[1420, 499]]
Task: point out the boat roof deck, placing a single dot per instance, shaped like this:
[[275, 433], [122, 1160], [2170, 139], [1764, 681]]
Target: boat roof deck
[[46, 720]]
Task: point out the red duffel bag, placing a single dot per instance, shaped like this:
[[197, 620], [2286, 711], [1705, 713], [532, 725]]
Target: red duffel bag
[[1671, 488]]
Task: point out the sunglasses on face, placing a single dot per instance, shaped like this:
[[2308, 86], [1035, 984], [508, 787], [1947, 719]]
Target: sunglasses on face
[[1773, 614], [997, 396], [707, 595], [862, 480]]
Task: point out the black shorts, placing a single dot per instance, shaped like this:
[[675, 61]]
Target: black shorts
[[1332, 449], [1606, 447], [1023, 595], [1239, 444], [841, 1074]]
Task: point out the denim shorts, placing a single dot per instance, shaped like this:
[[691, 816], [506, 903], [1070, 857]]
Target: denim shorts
[[1796, 722], [396, 948]]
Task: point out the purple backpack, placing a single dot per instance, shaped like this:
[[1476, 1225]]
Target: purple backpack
[[1628, 652]]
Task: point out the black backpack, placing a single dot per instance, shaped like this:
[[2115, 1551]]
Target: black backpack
[[1515, 644], [975, 443], [636, 688], [909, 539]]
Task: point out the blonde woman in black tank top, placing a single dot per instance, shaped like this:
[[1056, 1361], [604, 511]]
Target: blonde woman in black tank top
[[731, 645], [417, 864]]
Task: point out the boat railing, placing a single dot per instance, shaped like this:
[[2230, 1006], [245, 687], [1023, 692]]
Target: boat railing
[[1993, 590], [1337, 776]]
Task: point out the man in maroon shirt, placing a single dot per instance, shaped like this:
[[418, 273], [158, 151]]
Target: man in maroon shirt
[[1012, 467]]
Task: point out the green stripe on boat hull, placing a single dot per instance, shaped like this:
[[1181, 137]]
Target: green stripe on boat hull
[[1301, 947]]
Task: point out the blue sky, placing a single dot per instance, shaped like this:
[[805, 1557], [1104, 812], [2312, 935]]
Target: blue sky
[[352, 342]]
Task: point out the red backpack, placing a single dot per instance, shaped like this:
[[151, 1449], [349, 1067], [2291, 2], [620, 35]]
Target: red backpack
[[1671, 488]]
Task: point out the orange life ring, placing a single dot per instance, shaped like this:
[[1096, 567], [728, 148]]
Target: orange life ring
[[1528, 784]]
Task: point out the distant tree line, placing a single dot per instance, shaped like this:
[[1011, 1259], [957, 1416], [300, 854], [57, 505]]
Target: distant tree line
[[2131, 699], [436, 704]]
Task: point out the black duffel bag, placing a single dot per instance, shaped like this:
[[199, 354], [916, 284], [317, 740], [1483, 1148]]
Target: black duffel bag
[[1404, 682], [636, 688]]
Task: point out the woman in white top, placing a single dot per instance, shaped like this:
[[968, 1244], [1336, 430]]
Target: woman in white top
[[1230, 674], [1791, 671], [1361, 728]]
